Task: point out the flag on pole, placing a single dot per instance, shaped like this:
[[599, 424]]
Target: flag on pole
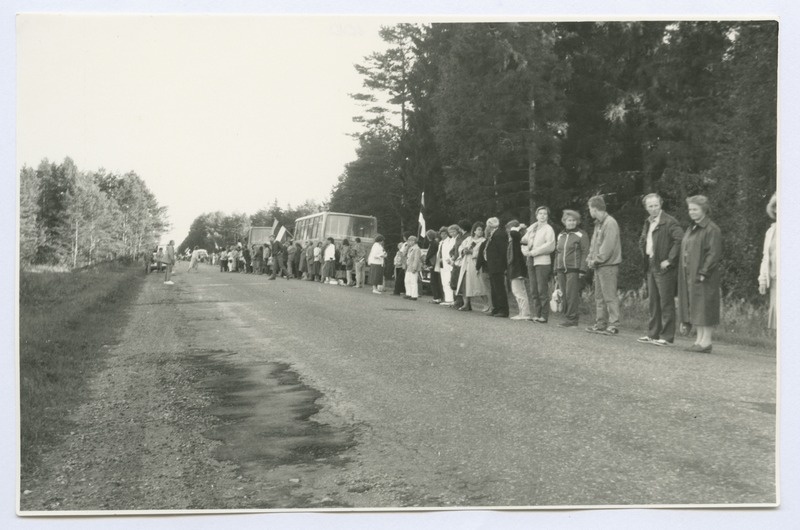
[[422, 228]]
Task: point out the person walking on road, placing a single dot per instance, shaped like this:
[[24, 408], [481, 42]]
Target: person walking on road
[[517, 271], [413, 266], [375, 260], [768, 274], [496, 257], [169, 261], [660, 244], [572, 249], [277, 258], [194, 260], [605, 255], [699, 275], [538, 243]]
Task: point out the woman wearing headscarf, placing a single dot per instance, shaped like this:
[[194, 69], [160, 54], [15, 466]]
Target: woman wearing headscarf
[[699, 275], [470, 278], [445, 248], [768, 276], [538, 244]]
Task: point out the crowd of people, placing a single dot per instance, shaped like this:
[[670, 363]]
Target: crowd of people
[[477, 264]]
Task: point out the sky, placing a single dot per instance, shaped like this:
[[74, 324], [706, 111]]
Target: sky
[[214, 112]]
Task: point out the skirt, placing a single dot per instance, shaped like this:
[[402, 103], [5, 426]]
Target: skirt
[[376, 275]]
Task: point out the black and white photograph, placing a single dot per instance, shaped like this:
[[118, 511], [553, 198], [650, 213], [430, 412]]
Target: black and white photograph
[[381, 263]]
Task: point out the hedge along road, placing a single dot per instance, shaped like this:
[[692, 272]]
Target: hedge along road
[[294, 394]]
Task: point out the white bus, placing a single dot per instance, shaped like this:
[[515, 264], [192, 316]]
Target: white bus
[[339, 226]]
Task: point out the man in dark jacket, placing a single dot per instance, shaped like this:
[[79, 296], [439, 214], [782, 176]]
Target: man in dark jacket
[[278, 254], [495, 254], [660, 244]]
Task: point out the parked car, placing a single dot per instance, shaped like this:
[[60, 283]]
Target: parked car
[[153, 263]]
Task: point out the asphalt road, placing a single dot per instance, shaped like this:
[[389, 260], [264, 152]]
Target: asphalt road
[[459, 409]]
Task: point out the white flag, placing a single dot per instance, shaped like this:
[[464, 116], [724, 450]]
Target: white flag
[[422, 228]]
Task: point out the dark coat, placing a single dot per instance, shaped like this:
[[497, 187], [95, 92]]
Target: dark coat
[[667, 237], [480, 260], [701, 253], [430, 256], [517, 267], [496, 261]]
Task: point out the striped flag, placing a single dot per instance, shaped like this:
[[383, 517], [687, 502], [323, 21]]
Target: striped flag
[[422, 228], [279, 231]]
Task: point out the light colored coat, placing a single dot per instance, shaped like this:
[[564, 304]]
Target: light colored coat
[[538, 243]]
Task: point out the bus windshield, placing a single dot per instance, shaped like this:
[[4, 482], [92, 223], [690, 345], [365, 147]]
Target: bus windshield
[[342, 226]]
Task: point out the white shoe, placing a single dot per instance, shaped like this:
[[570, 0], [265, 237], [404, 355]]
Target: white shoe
[[520, 317], [169, 283]]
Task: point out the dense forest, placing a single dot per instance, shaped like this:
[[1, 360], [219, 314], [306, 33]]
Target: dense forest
[[74, 218], [496, 119]]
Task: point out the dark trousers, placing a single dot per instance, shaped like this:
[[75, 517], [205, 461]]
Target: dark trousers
[[662, 287], [539, 290], [458, 295], [499, 293], [278, 266], [570, 284], [399, 280], [436, 286]]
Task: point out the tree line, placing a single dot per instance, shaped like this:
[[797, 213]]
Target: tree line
[[74, 218], [499, 118]]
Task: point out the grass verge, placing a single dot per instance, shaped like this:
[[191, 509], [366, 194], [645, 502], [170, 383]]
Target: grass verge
[[65, 319]]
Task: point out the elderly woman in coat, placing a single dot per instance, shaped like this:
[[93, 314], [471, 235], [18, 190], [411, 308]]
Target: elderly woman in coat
[[470, 277], [699, 275], [767, 278]]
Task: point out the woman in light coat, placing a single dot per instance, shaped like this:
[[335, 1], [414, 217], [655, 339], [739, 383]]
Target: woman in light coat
[[470, 276], [377, 255], [767, 278], [538, 243], [699, 275]]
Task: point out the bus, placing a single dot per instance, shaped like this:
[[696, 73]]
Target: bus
[[339, 226]]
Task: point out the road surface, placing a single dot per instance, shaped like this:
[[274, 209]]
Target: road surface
[[233, 391]]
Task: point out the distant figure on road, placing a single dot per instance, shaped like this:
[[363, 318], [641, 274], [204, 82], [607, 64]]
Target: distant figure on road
[[699, 275], [375, 260], [278, 254], [572, 249], [605, 255], [169, 261], [768, 275], [194, 260], [660, 244]]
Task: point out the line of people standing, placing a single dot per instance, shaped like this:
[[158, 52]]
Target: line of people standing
[[480, 263]]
